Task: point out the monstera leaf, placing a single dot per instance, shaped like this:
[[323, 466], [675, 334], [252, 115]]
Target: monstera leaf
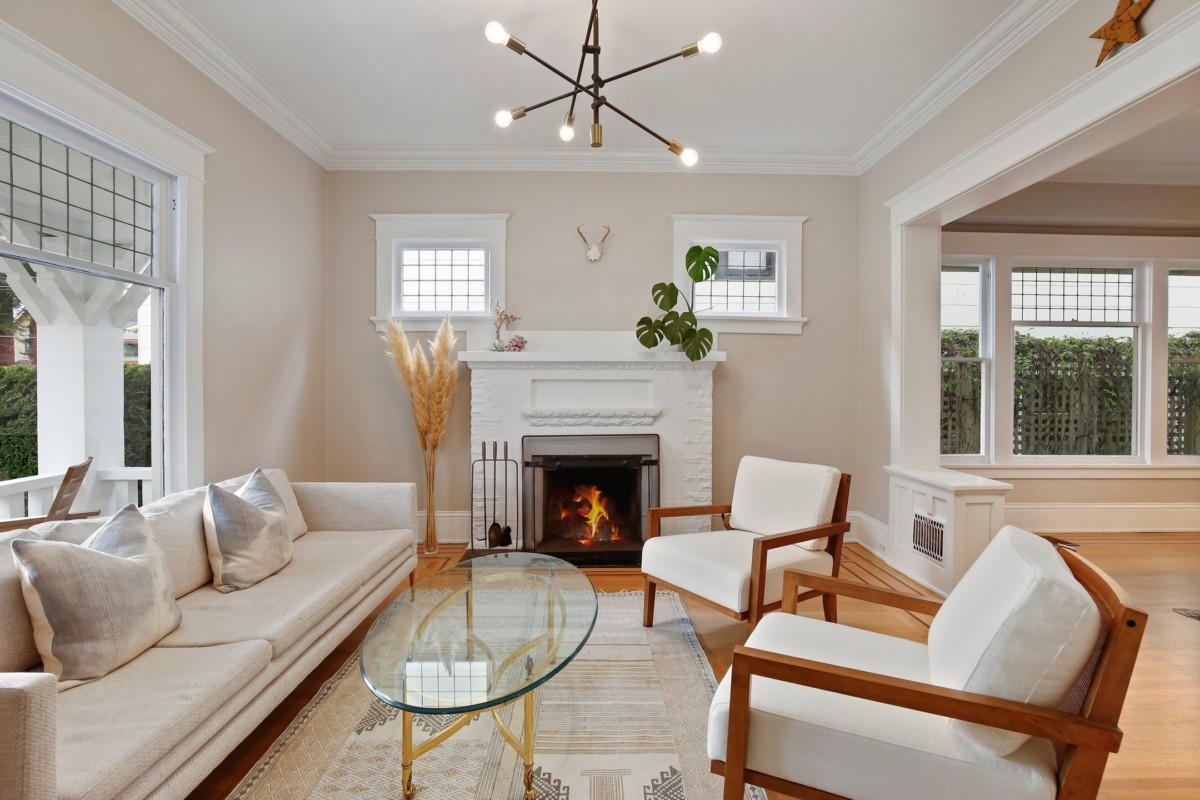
[[697, 343], [678, 326], [701, 262], [665, 295], [649, 332]]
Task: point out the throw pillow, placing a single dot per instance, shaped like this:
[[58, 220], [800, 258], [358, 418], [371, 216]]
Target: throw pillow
[[246, 533], [97, 605]]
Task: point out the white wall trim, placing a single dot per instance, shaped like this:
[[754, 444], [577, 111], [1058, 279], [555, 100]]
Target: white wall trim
[[1158, 73], [183, 34], [1021, 22], [1104, 517], [453, 527]]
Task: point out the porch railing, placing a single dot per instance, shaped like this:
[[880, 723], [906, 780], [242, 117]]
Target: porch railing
[[108, 490]]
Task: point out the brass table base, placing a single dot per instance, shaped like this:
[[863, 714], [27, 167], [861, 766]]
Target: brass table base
[[523, 748]]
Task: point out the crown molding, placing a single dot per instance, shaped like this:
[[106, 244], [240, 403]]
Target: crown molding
[[1135, 172], [552, 159], [180, 31], [997, 42]]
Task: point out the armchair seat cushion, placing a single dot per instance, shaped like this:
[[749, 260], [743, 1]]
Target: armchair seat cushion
[[716, 565], [842, 744]]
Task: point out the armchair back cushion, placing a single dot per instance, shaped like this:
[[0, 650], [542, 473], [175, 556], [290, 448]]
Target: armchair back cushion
[[1018, 626], [771, 496]]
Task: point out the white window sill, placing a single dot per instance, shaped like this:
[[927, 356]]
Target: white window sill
[[1183, 470], [428, 323], [784, 325]]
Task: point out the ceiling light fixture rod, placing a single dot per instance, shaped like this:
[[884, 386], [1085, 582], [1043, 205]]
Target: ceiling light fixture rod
[[591, 47]]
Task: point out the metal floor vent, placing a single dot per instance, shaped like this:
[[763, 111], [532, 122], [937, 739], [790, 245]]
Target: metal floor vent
[[929, 535]]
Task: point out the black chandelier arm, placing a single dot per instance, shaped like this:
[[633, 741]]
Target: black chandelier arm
[[655, 63], [583, 55], [662, 139], [579, 87]]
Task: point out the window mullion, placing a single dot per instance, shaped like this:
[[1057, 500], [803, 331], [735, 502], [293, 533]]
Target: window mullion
[[1002, 344], [1154, 364]]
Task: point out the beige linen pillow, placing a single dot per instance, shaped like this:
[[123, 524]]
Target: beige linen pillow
[[97, 605], [246, 533]]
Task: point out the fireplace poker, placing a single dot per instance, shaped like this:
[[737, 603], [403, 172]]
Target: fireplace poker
[[494, 531], [506, 534]]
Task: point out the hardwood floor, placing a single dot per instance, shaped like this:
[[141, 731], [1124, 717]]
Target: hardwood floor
[[1160, 756]]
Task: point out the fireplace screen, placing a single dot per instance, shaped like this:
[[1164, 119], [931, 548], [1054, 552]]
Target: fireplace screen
[[586, 497]]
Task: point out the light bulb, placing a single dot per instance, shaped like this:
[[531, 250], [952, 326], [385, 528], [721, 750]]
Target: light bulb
[[567, 131], [496, 34], [689, 157], [709, 44], [504, 118]]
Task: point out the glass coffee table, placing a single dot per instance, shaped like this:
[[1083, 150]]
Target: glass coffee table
[[477, 637]]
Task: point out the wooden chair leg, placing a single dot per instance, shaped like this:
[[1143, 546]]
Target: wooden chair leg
[[830, 603], [649, 587]]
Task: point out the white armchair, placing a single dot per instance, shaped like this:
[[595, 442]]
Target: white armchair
[[1034, 646], [783, 514]]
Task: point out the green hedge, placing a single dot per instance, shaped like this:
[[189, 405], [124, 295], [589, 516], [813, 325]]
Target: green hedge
[[18, 419], [1072, 396]]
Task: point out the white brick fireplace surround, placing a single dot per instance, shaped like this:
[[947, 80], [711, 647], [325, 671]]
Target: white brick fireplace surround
[[589, 382]]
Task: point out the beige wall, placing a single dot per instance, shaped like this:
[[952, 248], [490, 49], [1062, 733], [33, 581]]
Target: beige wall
[[783, 396], [264, 348], [1047, 63]]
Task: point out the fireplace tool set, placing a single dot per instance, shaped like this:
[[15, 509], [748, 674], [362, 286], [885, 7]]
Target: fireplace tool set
[[498, 486]]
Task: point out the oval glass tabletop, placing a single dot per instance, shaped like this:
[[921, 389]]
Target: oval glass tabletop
[[479, 634]]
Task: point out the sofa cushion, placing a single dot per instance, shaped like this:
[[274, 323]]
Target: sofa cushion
[[326, 568], [97, 605], [1017, 626], [296, 524], [840, 744], [771, 496], [17, 650], [246, 533], [111, 731], [716, 565]]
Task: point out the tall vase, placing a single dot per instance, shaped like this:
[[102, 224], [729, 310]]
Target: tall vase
[[431, 540]]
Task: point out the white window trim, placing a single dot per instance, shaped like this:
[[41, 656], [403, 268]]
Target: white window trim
[[987, 359], [725, 231], [1151, 258], [395, 232], [33, 77]]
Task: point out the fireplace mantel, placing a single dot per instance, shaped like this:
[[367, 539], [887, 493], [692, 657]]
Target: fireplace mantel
[[599, 382]]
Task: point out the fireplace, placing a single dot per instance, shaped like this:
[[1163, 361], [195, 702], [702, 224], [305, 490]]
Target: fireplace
[[586, 497]]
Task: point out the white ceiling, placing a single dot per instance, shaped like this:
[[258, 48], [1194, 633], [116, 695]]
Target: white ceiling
[[1164, 155], [799, 86]]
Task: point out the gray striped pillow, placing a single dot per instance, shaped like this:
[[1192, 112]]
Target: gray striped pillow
[[246, 533]]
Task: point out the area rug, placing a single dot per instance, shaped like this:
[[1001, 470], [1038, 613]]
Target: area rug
[[626, 720]]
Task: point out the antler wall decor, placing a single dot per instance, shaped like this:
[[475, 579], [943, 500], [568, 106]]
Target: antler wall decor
[[594, 249]]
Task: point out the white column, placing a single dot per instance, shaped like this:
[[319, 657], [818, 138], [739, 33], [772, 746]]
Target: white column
[[915, 362], [81, 399]]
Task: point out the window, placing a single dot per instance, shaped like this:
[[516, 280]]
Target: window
[[1183, 362], [965, 368], [756, 288], [1071, 359], [85, 307], [432, 265]]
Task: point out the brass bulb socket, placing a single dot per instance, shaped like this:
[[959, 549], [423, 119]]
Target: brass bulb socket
[[518, 112], [597, 132], [675, 147], [517, 46], [690, 50]]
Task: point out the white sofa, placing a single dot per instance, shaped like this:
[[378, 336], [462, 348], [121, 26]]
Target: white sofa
[[158, 725]]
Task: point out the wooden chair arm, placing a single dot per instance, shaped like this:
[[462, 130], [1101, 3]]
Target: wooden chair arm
[[794, 578], [28, 522], [656, 514], [763, 545], [995, 712]]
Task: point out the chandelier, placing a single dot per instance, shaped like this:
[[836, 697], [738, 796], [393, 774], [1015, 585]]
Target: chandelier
[[595, 90]]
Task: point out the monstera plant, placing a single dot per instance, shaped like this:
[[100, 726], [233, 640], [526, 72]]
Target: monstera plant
[[676, 327]]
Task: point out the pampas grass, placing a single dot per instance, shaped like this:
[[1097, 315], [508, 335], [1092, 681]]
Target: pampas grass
[[432, 391]]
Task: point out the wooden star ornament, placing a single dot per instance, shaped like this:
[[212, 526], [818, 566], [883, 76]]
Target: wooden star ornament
[[1122, 28]]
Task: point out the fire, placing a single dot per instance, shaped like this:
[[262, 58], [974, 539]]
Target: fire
[[592, 505]]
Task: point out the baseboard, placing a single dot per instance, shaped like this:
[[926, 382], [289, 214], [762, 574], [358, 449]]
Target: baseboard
[[1104, 517]]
